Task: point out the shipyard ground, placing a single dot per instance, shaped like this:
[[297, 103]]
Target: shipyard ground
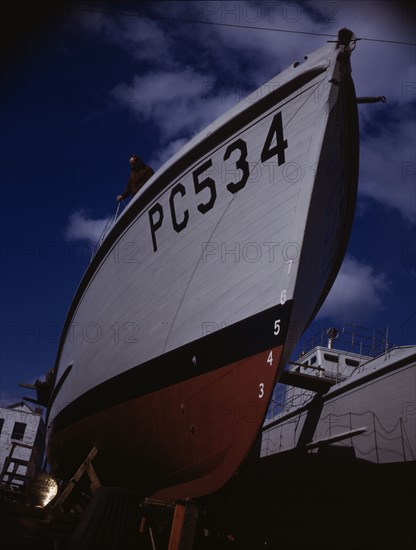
[[318, 502], [325, 501]]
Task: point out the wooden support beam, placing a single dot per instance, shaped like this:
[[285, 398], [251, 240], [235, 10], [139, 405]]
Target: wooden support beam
[[181, 516], [177, 527], [86, 467], [95, 482]]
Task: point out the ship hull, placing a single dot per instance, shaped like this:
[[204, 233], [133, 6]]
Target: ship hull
[[178, 330], [213, 418]]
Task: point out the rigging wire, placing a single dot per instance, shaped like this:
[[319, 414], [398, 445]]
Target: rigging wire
[[110, 222], [194, 21]]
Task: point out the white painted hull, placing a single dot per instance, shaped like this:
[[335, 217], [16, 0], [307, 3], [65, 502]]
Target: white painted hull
[[247, 224]]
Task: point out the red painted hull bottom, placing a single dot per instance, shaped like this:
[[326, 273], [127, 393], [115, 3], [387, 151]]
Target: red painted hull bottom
[[186, 440]]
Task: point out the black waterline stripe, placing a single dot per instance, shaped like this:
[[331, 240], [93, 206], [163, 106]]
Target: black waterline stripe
[[216, 350]]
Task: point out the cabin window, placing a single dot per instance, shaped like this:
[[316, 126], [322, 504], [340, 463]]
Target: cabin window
[[332, 358], [1, 424], [352, 362], [18, 430], [313, 360]]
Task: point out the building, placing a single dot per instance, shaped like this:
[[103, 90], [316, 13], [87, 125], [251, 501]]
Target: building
[[22, 437]]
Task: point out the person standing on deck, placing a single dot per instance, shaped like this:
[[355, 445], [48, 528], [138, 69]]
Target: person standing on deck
[[139, 175]]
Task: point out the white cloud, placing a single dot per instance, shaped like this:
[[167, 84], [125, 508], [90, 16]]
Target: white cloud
[[258, 55], [144, 39], [388, 167], [82, 228], [179, 103], [358, 291], [146, 93], [274, 51], [160, 157], [183, 61]]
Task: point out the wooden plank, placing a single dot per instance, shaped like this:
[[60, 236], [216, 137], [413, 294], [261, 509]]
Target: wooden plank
[[95, 482], [86, 467], [177, 527]]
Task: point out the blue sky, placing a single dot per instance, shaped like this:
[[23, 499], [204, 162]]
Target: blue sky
[[85, 89]]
